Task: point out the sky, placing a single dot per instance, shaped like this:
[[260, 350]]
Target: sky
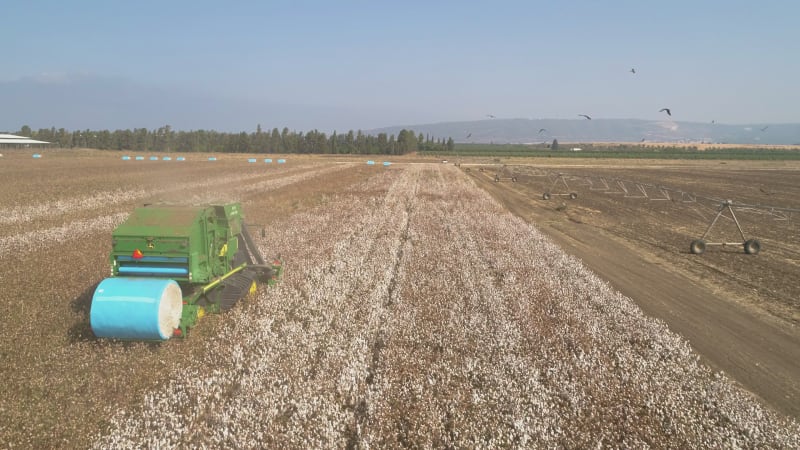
[[366, 64]]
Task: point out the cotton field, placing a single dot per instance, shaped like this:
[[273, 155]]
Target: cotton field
[[415, 311]]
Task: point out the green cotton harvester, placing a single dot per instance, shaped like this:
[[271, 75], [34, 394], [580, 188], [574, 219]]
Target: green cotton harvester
[[171, 265]]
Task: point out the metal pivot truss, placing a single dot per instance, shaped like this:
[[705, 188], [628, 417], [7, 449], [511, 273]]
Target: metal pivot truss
[[636, 189], [559, 179], [506, 175], [632, 189], [751, 246]]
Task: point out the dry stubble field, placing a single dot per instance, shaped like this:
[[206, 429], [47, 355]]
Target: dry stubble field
[[415, 311]]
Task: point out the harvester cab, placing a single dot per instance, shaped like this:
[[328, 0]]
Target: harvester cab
[[170, 265]]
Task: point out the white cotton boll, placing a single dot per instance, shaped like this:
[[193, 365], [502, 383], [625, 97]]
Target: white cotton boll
[[39, 239]]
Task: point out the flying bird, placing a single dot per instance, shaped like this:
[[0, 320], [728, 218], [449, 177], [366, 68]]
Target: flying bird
[[713, 121], [490, 116], [541, 129], [633, 70], [584, 115], [669, 113], [470, 134], [765, 128]]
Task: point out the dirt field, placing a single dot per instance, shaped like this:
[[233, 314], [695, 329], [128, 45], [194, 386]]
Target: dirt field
[[415, 311], [697, 145], [741, 312]]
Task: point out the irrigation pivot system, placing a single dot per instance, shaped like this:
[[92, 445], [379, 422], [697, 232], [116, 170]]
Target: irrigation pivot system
[[505, 175], [751, 246], [558, 180], [557, 184]]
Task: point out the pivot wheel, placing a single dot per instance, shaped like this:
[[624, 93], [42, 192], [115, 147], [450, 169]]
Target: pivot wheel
[[573, 195], [752, 247], [698, 247], [546, 196]]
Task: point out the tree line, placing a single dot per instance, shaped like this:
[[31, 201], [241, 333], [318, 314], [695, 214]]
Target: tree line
[[165, 139]]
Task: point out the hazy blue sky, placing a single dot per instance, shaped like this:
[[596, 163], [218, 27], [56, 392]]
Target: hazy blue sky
[[394, 63]]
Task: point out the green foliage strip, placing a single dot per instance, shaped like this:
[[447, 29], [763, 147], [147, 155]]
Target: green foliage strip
[[165, 139]]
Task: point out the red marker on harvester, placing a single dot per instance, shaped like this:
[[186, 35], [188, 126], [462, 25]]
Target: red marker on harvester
[[137, 254]]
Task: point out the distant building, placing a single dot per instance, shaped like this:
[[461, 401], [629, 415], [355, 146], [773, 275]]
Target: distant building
[[11, 141]]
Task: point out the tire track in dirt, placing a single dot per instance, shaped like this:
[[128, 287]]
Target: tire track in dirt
[[452, 329], [380, 335]]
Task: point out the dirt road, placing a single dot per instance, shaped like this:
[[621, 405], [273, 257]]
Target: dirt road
[[757, 349]]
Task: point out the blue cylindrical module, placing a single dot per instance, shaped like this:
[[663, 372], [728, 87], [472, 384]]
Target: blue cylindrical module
[[136, 308]]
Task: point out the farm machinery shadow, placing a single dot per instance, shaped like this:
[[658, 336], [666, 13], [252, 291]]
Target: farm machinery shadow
[[81, 331]]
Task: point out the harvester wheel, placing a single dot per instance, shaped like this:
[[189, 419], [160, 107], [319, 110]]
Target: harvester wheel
[[573, 195], [752, 247], [546, 196], [698, 247]]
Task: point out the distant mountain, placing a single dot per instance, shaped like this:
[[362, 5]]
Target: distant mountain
[[79, 102], [527, 131]]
